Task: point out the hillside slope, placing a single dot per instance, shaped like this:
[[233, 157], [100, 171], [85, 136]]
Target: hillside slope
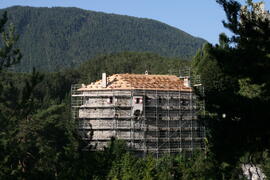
[[56, 38]]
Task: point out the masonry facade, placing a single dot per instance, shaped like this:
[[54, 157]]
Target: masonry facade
[[153, 113]]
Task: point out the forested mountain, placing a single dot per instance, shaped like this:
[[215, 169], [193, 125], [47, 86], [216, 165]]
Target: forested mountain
[[56, 38]]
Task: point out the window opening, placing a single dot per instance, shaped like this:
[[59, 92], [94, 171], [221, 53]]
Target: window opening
[[110, 100]]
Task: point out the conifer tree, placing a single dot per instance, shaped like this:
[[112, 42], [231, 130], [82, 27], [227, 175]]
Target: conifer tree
[[237, 79]]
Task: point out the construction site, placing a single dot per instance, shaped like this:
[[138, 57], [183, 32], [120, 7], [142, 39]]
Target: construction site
[[155, 114]]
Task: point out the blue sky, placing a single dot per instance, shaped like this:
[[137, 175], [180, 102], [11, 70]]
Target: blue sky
[[201, 18]]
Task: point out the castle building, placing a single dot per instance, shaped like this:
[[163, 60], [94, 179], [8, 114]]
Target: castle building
[[153, 113]]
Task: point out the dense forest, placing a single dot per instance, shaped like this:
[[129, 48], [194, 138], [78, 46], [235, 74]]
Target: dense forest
[[38, 138], [57, 38]]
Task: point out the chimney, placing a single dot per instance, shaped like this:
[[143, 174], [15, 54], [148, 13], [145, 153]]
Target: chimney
[[104, 80], [186, 81]]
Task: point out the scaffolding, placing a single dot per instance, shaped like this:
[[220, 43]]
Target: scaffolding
[[167, 123]]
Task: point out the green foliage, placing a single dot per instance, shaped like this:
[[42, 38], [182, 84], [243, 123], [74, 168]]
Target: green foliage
[[57, 38], [126, 168], [250, 90], [236, 76], [197, 167], [34, 138], [30, 146], [9, 55]]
